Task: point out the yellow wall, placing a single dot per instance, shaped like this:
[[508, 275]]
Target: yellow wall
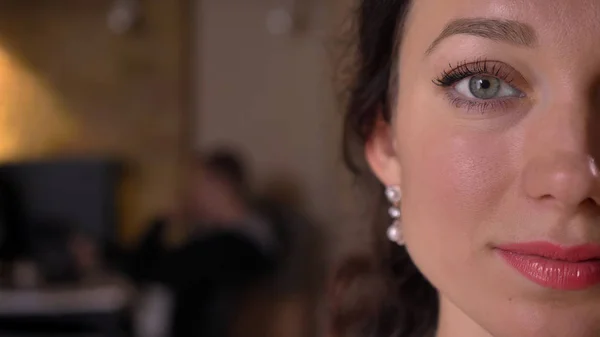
[[26, 129], [70, 86]]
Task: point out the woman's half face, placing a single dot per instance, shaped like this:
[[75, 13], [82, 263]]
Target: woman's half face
[[493, 141]]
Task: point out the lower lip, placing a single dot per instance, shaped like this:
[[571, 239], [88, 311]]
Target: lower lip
[[555, 274]]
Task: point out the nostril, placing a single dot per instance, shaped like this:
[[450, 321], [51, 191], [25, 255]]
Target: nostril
[[589, 202], [590, 207]]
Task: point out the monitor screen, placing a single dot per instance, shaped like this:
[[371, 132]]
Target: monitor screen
[[78, 192]]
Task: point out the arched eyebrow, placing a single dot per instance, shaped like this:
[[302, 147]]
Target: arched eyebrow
[[509, 31]]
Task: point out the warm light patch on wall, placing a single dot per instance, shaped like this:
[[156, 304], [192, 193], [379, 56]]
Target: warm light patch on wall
[[33, 122]]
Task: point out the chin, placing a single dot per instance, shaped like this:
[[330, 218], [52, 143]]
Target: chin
[[560, 329], [519, 308], [545, 319]]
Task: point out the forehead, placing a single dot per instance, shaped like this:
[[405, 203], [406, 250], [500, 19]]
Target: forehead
[[567, 23]]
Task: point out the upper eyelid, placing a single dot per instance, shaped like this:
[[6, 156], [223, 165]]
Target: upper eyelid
[[480, 66]]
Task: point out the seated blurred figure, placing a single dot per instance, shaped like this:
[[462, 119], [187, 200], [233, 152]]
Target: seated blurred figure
[[231, 248], [219, 199]]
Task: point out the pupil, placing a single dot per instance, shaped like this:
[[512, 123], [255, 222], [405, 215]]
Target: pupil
[[484, 87]]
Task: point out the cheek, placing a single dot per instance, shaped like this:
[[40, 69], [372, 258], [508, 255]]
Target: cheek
[[452, 186], [466, 173]]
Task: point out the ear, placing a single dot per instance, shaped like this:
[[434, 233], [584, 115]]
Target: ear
[[381, 154]]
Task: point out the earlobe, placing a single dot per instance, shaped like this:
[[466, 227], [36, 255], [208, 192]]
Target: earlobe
[[381, 154]]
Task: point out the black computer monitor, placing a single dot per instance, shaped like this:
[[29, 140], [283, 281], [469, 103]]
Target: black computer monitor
[[78, 192]]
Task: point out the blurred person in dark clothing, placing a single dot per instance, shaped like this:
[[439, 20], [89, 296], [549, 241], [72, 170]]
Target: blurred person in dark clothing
[[220, 198], [215, 198], [209, 277], [230, 248]]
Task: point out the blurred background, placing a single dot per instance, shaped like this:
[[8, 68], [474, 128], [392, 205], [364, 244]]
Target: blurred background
[[173, 168]]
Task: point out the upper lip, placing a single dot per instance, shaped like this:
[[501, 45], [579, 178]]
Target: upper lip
[[552, 251]]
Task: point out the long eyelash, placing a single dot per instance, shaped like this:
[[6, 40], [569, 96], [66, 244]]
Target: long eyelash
[[466, 69]]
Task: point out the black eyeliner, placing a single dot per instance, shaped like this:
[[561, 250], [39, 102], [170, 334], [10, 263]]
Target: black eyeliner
[[478, 67]]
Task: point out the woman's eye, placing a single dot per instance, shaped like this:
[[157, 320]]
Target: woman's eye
[[485, 87]]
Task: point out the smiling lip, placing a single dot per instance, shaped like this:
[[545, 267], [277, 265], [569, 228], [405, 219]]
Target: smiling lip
[[554, 266]]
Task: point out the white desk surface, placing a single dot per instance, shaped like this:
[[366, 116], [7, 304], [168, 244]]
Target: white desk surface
[[101, 299]]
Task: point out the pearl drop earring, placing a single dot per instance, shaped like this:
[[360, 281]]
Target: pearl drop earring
[[394, 232]]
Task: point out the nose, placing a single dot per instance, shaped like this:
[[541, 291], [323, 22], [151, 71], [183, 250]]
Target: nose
[[561, 169], [566, 179]]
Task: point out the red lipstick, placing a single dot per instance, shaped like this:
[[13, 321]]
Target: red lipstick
[[554, 266]]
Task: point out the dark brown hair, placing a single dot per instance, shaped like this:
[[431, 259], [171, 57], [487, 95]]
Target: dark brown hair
[[351, 295], [409, 305]]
